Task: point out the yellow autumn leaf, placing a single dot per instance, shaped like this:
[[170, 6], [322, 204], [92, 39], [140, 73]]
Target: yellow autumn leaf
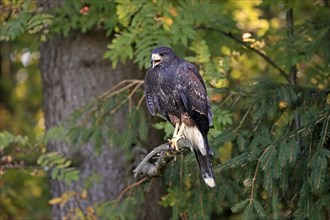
[[83, 195], [173, 11], [216, 97], [66, 197], [55, 200], [250, 40], [91, 213], [314, 81], [221, 83], [282, 104], [64, 200], [168, 21], [258, 44], [90, 210], [225, 152]]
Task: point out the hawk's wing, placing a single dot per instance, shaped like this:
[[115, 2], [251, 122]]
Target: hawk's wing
[[209, 113], [151, 92], [194, 96], [148, 91]]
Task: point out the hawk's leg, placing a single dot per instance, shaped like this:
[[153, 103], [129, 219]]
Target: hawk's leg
[[176, 136], [175, 130]]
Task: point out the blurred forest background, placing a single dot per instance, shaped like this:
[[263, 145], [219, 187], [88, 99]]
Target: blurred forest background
[[73, 122]]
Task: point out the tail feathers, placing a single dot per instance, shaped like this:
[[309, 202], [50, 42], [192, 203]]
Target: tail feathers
[[205, 166], [206, 142]]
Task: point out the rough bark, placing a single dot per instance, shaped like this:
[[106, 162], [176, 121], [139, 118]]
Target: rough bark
[[73, 73]]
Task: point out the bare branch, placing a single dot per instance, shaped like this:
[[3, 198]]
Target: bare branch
[[129, 188], [293, 69], [165, 155], [131, 85], [291, 38]]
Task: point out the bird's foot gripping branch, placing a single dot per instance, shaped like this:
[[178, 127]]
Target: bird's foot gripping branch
[[164, 154]]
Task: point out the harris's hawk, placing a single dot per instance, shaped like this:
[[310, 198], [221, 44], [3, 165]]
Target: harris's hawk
[[177, 91]]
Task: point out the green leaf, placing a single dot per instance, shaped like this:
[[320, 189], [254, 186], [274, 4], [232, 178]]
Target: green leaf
[[55, 133], [54, 173], [59, 166], [268, 158], [241, 142], [167, 127], [248, 212], [67, 163], [41, 159], [235, 162], [239, 206], [7, 138], [75, 133], [319, 173], [97, 139], [259, 209], [225, 137], [143, 127], [275, 204]]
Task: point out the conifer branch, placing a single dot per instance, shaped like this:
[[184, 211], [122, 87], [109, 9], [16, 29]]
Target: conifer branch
[[253, 184], [243, 119], [261, 54], [165, 155], [325, 132]]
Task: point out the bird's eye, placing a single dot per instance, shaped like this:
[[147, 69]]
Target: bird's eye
[[161, 54]]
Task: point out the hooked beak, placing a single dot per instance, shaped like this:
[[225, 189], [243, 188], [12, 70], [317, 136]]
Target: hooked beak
[[155, 59]]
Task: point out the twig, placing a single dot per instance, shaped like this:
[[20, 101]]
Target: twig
[[235, 102], [243, 119], [256, 173], [261, 54], [290, 33], [127, 98], [165, 154], [8, 16], [75, 197], [325, 132], [114, 90], [140, 101], [130, 187], [293, 69], [226, 99]]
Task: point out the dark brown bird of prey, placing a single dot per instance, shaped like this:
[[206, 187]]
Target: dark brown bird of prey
[[177, 91]]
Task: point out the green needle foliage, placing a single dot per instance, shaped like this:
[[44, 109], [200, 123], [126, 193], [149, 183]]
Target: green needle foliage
[[266, 66]]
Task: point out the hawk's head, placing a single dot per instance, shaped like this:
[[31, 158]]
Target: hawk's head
[[161, 55]]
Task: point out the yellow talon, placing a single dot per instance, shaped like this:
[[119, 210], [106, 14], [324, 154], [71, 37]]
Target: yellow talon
[[173, 143], [176, 136]]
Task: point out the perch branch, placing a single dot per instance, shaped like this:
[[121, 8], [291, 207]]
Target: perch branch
[[164, 155]]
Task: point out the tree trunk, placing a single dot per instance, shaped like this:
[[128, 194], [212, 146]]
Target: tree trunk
[[73, 73]]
